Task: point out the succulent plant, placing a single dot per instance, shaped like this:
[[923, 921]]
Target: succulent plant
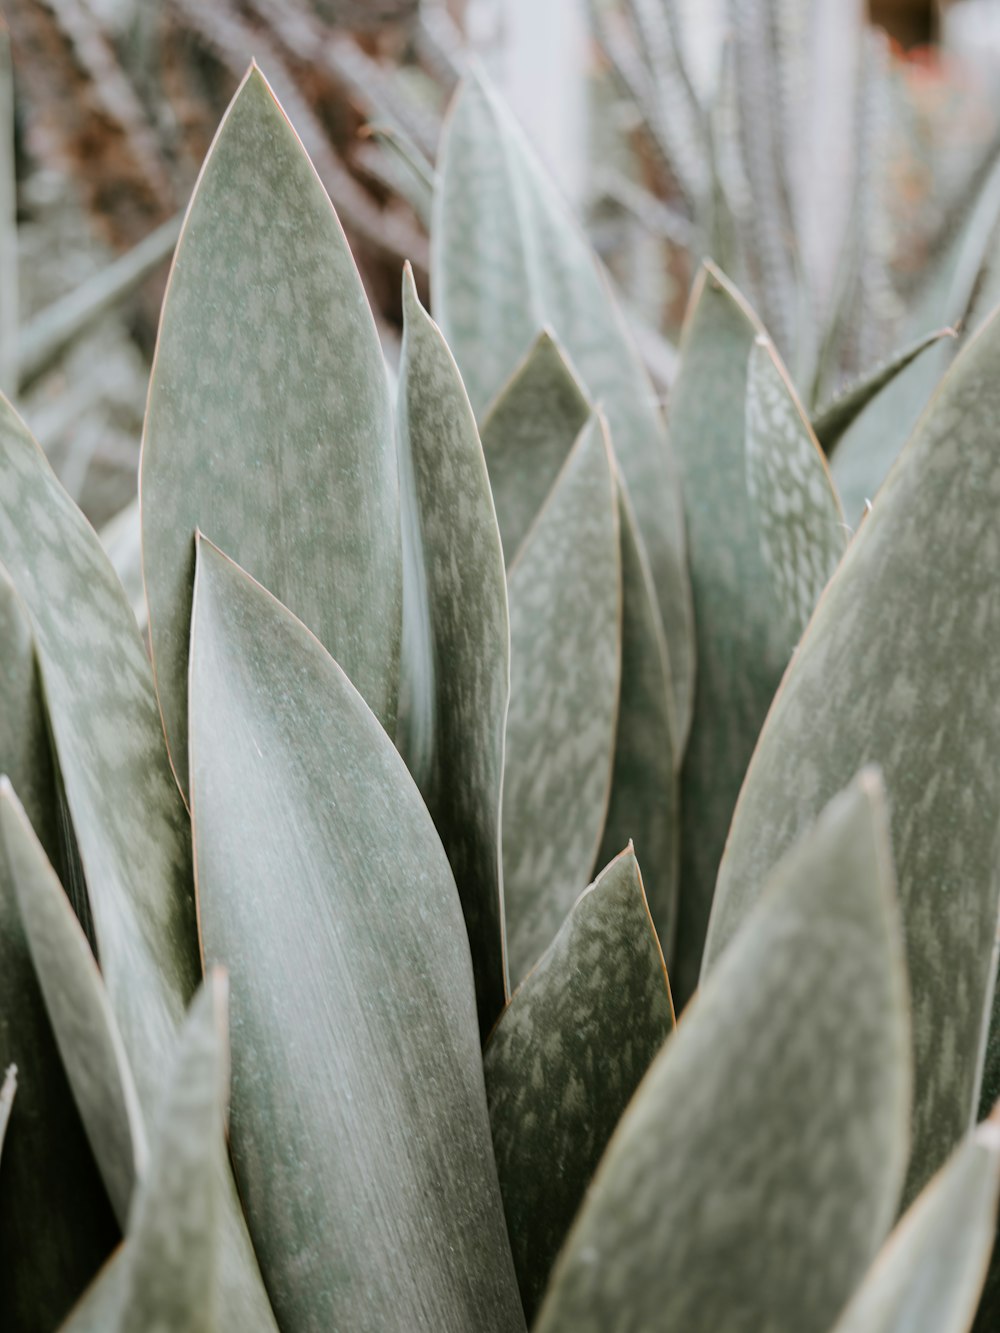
[[438, 659]]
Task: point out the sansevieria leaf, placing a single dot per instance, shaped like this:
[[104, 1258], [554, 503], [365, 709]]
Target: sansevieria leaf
[[565, 1058], [469, 639], [928, 1276], [359, 1126], [509, 260], [269, 423], [758, 1167], [8, 1090], [901, 665], [565, 626]]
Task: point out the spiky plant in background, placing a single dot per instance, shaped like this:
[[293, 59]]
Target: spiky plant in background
[[426, 662]]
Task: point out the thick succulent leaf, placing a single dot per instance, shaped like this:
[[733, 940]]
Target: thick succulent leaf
[[644, 807], [133, 831], [359, 1127], [83, 1024], [527, 433], [172, 1251], [743, 639], [565, 666], [786, 1083], [469, 640], [565, 1058], [269, 423], [8, 1089], [100, 1306], [508, 259], [799, 519], [121, 537], [883, 674], [927, 1278], [832, 419], [56, 1225]]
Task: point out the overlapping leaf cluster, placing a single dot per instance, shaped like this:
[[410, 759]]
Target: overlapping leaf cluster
[[433, 651]]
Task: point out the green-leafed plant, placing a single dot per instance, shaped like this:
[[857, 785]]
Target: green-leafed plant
[[438, 658]]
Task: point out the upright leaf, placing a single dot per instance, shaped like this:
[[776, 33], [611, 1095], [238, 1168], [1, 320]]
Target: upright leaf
[[901, 665], [469, 636], [758, 1166], [269, 423], [927, 1278], [743, 642], [359, 1126], [565, 1058], [565, 661], [799, 519], [508, 259], [7, 1091]]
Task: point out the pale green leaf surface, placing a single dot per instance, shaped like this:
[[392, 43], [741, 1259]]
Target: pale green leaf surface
[[565, 1058], [509, 259], [743, 641], [527, 432], [900, 665], [90, 1046], [644, 807], [928, 1276], [565, 624], [270, 423], [757, 1169], [469, 636], [121, 537], [133, 831], [8, 1091], [99, 1308], [359, 1126], [799, 519]]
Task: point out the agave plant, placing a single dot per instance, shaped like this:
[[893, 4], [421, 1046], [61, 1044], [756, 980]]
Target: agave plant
[[424, 665]]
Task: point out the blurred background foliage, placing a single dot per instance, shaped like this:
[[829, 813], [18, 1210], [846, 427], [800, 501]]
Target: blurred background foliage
[[827, 155]]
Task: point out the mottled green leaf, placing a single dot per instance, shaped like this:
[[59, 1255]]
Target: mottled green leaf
[[270, 424], [359, 1126], [565, 666], [90, 1046], [901, 665], [565, 1058], [832, 419], [743, 640], [469, 641], [927, 1278], [644, 807], [757, 1169], [527, 432], [121, 537], [798, 515], [508, 259], [7, 1092], [56, 1225], [133, 831]]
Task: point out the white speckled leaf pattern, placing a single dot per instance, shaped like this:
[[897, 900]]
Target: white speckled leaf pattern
[[84, 1027], [527, 433], [509, 259], [900, 665], [645, 797], [757, 1169], [131, 826], [743, 642], [359, 1125], [469, 636], [269, 424], [169, 1283], [928, 1276], [799, 519], [565, 1058], [55, 1223], [565, 593]]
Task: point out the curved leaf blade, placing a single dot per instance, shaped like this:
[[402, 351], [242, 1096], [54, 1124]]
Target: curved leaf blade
[[269, 423], [703, 1214], [469, 636], [565, 593], [353, 1006], [879, 677], [599, 990]]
